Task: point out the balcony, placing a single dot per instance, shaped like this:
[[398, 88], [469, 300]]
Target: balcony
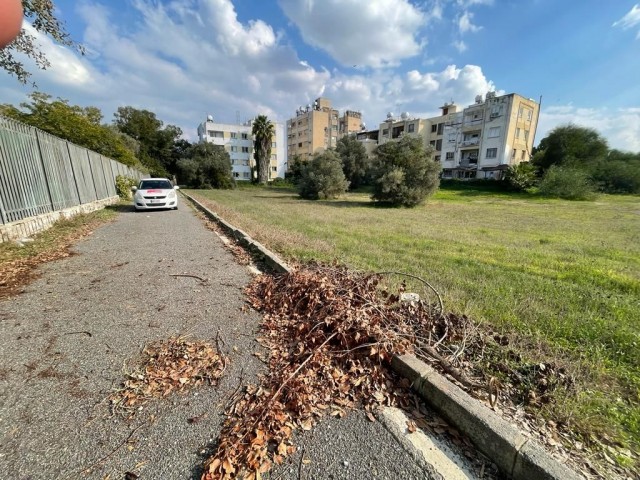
[[470, 142]]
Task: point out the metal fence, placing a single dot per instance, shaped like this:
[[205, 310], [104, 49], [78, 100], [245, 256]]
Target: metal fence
[[40, 173]]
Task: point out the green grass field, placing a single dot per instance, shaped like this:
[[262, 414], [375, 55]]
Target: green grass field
[[564, 274]]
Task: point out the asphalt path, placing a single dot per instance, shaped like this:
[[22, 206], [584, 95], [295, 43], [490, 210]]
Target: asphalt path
[[69, 338]]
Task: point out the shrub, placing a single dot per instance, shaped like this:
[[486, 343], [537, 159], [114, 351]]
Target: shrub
[[355, 162], [323, 177], [404, 172], [520, 177], [123, 186], [294, 170], [567, 183]]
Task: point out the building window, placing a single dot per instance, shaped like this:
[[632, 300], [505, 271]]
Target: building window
[[274, 169], [437, 158], [447, 173], [245, 149], [452, 138], [517, 133], [439, 144], [529, 114], [234, 149], [496, 111], [434, 128], [245, 136], [273, 144], [236, 174], [215, 134], [385, 131], [411, 127], [432, 143], [300, 145], [449, 156], [492, 153], [273, 156], [494, 132], [440, 128], [513, 154], [234, 134], [524, 153], [526, 135], [246, 174], [520, 112]]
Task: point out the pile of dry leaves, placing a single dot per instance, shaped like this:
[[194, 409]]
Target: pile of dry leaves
[[173, 365], [331, 333]]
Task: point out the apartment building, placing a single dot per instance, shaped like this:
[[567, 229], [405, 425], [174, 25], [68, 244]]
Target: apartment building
[[238, 142], [479, 141], [318, 127]]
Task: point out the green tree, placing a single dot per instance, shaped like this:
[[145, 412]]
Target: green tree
[[568, 183], [156, 143], [618, 173], [404, 172], [355, 162], [263, 131], [80, 125], [41, 15], [570, 145], [206, 166], [322, 177], [520, 177], [294, 170]]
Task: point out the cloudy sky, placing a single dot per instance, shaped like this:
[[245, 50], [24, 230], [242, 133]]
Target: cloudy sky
[[185, 59]]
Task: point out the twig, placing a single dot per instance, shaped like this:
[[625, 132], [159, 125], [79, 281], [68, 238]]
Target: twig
[[84, 332], [415, 277], [450, 369], [110, 454], [203, 280], [300, 465]]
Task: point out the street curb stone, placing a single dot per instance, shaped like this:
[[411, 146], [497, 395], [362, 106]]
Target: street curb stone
[[519, 457], [271, 259]]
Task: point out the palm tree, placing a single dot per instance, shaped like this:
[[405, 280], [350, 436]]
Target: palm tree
[[263, 131]]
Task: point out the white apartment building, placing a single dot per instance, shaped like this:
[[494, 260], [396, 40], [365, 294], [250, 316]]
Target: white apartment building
[[481, 141], [238, 142], [487, 137]]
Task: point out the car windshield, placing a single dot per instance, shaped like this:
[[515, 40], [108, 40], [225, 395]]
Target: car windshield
[[150, 184]]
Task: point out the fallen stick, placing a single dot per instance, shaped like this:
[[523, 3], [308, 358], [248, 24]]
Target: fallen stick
[[203, 280], [446, 365]]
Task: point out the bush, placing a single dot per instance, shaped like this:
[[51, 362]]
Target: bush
[[520, 177], [294, 170], [355, 162], [567, 183], [617, 176], [404, 172], [323, 177], [123, 186]]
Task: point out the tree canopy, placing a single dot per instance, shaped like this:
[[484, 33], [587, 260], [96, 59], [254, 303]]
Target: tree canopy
[[80, 125], [41, 15], [322, 177], [404, 172], [263, 132], [205, 165], [355, 162], [570, 145]]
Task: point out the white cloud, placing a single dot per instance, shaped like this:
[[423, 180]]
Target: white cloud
[[460, 46], [621, 127], [374, 33], [465, 23], [630, 20]]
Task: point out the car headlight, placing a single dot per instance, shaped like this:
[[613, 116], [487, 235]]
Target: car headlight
[[171, 194]]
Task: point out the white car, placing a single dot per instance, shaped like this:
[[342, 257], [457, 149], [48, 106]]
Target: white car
[[154, 194]]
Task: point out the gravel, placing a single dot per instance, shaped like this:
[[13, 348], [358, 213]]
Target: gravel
[[55, 378]]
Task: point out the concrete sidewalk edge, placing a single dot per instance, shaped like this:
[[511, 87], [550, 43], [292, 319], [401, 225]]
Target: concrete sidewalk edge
[[271, 259], [519, 457]]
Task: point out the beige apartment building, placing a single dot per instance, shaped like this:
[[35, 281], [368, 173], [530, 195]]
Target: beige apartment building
[[318, 127], [479, 141]]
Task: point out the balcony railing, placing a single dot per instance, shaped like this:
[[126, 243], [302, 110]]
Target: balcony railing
[[470, 142]]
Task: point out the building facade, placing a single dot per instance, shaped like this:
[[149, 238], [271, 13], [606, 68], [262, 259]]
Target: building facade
[[318, 127], [479, 141], [237, 140]]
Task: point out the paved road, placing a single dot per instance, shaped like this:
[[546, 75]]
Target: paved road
[[54, 420]]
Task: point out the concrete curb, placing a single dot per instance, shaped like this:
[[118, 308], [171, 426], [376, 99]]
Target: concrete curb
[[271, 259], [519, 457]]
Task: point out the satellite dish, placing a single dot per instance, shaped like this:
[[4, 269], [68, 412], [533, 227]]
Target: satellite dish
[[209, 118], [404, 115]]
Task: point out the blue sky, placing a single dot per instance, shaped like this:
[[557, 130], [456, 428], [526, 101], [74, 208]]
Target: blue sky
[[185, 59]]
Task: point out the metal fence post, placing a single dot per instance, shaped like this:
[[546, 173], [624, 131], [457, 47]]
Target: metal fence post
[[73, 172], [93, 180], [44, 170]]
